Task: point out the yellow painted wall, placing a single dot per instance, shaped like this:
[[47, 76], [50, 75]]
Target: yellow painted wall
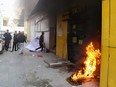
[[104, 44], [61, 38], [108, 60], [112, 59]]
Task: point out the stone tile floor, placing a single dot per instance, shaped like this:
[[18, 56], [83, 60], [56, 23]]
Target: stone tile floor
[[28, 70]]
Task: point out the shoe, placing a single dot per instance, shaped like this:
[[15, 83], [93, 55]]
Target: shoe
[[21, 53], [35, 49]]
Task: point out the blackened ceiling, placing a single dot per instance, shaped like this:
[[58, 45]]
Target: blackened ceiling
[[89, 11], [54, 6]]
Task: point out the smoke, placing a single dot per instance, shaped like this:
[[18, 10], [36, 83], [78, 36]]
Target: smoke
[[19, 7], [15, 9]]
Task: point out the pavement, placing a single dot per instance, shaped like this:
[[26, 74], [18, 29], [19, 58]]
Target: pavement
[[29, 70]]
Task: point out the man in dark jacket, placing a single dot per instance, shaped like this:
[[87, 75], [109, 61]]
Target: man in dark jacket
[[15, 42], [41, 42], [8, 38]]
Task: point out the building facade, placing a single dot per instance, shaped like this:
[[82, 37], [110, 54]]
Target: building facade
[[70, 27]]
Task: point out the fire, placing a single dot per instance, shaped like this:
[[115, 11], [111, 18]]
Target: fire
[[90, 64]]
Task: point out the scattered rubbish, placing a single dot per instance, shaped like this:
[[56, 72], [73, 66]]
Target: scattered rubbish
[[33, 55], [39, 55]]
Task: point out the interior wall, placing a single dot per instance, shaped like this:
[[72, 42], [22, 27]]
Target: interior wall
[[43, 26], [52, 28], [32, 28]]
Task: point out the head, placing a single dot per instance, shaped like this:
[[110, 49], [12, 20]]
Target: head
[[15, 32], [42, 33], [19, 32], [7, 31], [22, 33]]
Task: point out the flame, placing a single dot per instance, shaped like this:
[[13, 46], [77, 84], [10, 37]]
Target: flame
[[90, 64]]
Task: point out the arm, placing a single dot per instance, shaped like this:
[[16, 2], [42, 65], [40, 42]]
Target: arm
[[4, 35]]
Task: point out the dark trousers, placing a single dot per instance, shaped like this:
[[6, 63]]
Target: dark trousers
[[41, 46], [7, 45], [15, 46]]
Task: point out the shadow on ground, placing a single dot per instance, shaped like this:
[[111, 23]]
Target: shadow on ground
[[31, 79]]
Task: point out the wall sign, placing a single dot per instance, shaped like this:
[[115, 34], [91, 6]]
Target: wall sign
[[60, 30]]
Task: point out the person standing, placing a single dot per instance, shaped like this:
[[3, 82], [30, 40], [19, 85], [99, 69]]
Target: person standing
[[41, 42], [19, 33], [8, 38], [21, 40], [15, 42]]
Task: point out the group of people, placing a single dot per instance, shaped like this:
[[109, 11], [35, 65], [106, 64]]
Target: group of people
[[37, 44], [18, 41]]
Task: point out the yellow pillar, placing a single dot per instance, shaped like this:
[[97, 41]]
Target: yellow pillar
[[112, 46], [108, 60], [104, 44], [61, 38]]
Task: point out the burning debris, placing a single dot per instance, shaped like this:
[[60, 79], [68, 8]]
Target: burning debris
[[87, 72]]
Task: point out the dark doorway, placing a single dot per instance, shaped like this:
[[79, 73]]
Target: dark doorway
[[84, 26], [76, 35]]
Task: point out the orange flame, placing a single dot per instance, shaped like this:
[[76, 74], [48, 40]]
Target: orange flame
[[90, 64]]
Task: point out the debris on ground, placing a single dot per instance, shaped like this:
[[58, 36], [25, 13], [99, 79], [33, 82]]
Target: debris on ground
[[33, 55], [39, 55]]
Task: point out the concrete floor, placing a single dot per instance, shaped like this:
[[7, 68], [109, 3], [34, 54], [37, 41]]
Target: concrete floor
[[28, 70]]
